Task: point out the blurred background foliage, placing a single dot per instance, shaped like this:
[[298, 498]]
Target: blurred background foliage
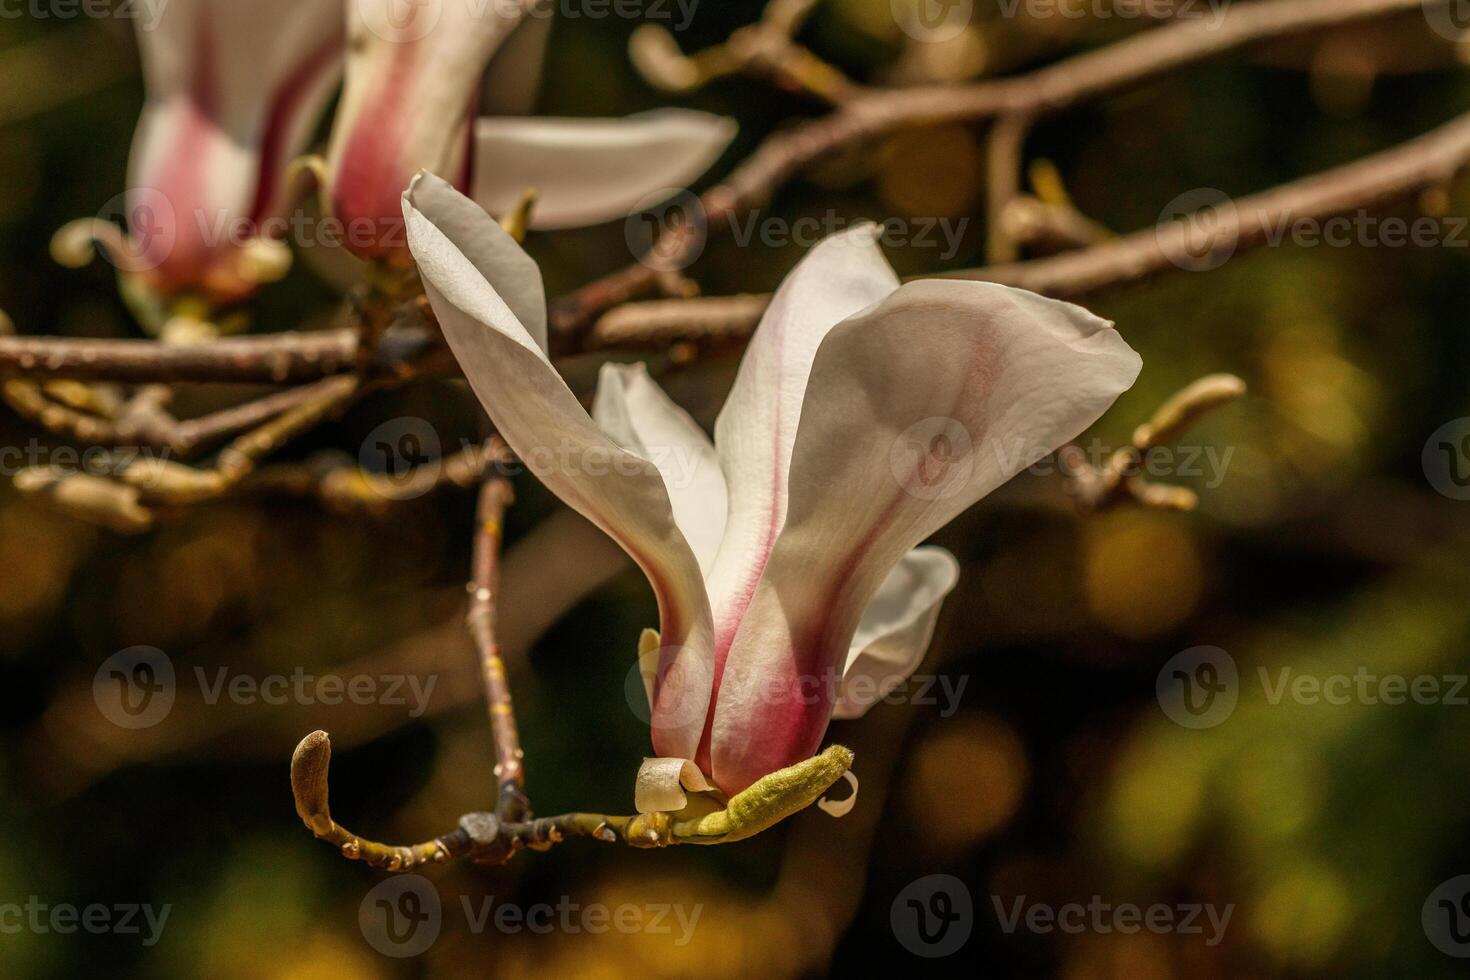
[[1058, 777]]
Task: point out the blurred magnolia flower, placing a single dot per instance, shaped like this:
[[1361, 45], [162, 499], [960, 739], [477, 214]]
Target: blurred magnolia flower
[[409, 103], [865, 416], [235, 91]]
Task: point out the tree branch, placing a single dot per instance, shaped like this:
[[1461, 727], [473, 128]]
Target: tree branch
[[484, 590], [1046, 91]]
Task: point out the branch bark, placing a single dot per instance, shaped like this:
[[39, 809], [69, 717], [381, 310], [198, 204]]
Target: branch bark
[[1046, 91]]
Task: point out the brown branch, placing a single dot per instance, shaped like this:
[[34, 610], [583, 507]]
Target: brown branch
[[1425, 162], [1046, 91], [1097, 488], [292, 357], [484, 589], [1392, 175], [283, 358]]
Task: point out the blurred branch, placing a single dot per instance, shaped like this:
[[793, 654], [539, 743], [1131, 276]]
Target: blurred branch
[[345, 487], [1423, 164], [1050, 90], [765, 48], [1118, 480]]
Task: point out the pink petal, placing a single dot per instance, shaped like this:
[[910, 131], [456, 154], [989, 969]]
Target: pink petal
[[413, 76], [915, 409], [234, 94], [465, 260]]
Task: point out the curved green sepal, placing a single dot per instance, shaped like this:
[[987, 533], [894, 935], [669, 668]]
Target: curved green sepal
[[768, 800]]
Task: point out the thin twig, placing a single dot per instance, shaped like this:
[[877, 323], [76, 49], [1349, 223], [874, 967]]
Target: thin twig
[[1046, 91], [1424, 163], [484, 589], [1097, 488]]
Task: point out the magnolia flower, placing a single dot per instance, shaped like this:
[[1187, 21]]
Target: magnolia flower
[[234, 93], [409, 102], [865, 416]]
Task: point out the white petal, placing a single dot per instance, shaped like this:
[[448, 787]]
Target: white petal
[[756, 429], [413, 75], [662, 783], [495, 255], [553, 435], [634, 410], [592, 170], [894, 632], [234, 93], [916, 409]]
